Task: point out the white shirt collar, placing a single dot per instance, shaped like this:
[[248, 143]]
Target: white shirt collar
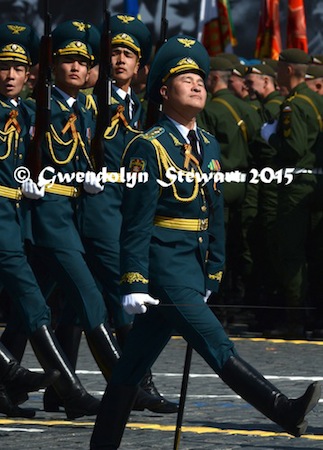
[[123, 93], [15, 102], [183, 130], [69, 100]]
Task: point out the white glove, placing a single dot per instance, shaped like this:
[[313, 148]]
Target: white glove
[[30, 190], [136, 303], [207, 295], [91, 184], [268, 129]]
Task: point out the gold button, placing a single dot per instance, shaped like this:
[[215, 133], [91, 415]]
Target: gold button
[[17, 205], [77, 158], [20, 156], [200, 240], [203, 208]]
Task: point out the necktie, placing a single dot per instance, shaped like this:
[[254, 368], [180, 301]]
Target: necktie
[[75, 107], [193, 141], [128, 110]]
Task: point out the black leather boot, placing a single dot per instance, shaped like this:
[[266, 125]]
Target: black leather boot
[[149, 398], [69, 337], [18, 381], [11, 410], [77, 402], [260, 393], [148, 395], [104, 349], [112, 418]]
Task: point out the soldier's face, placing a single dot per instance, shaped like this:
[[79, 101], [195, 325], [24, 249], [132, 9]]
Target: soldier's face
[[255, 83], [125, 65], [71, 73], [185, 93], [13, 76], [238, 86]]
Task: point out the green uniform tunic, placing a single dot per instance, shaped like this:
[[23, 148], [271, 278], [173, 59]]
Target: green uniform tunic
[[58, 254]]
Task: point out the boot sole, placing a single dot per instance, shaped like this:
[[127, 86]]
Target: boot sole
[[301, 428], [156, 410], [71, 415], [315, 395]]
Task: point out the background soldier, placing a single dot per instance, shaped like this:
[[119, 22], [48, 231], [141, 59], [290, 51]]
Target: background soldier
[[294, 138], [261, 203], [234, 123]]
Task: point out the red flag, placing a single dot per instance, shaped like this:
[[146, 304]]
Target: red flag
[[268, 42], [216, 28], [296, 25]]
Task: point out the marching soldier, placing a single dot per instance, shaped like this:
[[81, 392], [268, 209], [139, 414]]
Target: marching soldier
[[18, 50], [172, 250], [58, 254], [100, 214]]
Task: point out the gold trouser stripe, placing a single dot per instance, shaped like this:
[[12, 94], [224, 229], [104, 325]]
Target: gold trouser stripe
[[60, 189], [14, 194], [181, 224]]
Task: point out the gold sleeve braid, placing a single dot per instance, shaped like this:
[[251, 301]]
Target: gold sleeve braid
[[216, 276], [133, 277]]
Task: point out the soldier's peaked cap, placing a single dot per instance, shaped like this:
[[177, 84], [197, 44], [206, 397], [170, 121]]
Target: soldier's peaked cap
[[178, 55], [261, 69], [128, 31], [19, 43], [295, 56], [230, 56], [314, 71], [221, 64], [317, 59], [75, 37]]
